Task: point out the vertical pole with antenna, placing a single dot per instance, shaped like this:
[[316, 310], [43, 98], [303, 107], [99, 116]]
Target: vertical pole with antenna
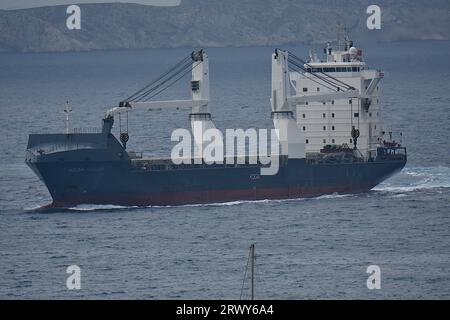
[[67, 111], [339, 35]]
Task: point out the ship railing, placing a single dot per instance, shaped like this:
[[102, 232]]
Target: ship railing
[[135, 155], [388, 152], [154, 164], [86, 130], [47, 149], [333, 157]]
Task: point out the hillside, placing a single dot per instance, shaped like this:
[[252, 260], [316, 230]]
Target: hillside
[[219, 23]]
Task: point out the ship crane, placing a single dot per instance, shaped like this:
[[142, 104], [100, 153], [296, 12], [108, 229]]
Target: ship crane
[[200, 115]]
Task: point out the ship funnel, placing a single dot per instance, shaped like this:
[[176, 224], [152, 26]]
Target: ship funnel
[[291, 138]]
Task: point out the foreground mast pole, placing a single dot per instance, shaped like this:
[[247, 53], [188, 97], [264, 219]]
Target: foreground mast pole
[[253, 255]]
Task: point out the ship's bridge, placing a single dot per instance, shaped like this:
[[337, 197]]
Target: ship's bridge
[[345, 58], [335, 67]]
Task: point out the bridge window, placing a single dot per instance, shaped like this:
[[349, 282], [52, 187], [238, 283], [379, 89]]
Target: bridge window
[[304, 116], [332, 141], [332, 115], [323, 115], [324, 128], [318, 89], [356, 114], [305, 89], [332, 128], [324, 141], [307, 141], [304, 128]]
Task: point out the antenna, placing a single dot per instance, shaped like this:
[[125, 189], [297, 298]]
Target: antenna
[[67, 111], [340, 34]]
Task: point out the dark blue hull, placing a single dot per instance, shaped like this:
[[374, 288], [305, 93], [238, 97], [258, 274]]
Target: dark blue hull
[[119, 183], [96, 169]]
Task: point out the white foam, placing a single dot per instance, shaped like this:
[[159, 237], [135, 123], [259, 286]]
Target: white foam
[[229, 203], [34, 207], [333, 196], [417, 178], [96, 207]]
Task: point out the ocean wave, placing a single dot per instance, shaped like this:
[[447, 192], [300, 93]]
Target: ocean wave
[[417, 178], [99, 207], [215, 204], [48, 208], [262, 201], [34, 207], [333, 196], [110, 207]]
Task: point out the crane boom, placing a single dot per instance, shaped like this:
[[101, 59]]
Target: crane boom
[[200, 116], [156, 105]]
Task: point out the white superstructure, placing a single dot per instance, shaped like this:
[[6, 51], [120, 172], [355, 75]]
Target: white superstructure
[[329, 121], [317, 105]]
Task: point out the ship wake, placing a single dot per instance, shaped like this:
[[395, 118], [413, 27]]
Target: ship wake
[[417, 178], [97, 207]]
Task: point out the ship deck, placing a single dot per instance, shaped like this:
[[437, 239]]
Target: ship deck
[[166, 163]]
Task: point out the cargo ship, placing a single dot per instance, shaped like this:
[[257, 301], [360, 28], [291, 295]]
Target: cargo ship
[[327, 116]]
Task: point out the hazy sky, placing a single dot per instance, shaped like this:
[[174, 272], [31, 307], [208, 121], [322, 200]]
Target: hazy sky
[[21, 4]]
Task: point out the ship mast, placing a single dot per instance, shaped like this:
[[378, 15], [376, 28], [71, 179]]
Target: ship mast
[[67, 111], [252, 261], [253, 257]]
